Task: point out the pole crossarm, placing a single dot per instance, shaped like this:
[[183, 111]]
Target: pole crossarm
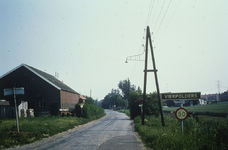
[[150, 70]]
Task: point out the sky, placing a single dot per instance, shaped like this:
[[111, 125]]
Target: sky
[[88, 42]]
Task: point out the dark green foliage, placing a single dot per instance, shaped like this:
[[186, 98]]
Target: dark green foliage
[[78, 110], [92, 110], [205, 135], [134, 104], [114, 98], [89, 110], [89, 100], [125, 87], [151, 106], [110, 100], [126, 111]]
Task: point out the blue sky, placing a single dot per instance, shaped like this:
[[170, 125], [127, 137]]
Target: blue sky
[[87, 42]]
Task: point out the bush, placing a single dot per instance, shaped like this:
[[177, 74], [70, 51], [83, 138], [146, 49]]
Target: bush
[[134, 104], [151, 106], [89, 110]]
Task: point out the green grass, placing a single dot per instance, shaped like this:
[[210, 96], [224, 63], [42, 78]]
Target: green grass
[[36, 128], [210, 109], [126, 111], [208, 134]]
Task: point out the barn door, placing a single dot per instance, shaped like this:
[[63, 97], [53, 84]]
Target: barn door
[[54, 109]]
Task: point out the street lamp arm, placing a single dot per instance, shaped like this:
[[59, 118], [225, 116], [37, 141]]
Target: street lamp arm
[[135, 57]]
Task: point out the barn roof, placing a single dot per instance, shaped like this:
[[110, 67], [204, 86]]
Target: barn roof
[[45, 76]]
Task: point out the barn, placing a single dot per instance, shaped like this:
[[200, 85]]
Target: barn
[[44, 93]]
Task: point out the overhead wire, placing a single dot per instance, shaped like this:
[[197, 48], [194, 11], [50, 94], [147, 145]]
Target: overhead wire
[[150, 12], [163, 18], [159, 15], [154, 11], [135, 69], [169, 20]]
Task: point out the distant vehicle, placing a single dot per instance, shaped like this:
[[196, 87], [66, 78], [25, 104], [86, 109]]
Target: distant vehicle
[[165, 106]]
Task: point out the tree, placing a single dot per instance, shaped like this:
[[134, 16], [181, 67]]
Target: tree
[[134, 104], [125, 86], [89, 100], [151, 105], [113, 98]]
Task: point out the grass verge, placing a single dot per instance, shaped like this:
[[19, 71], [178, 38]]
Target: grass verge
[[207, 134], [126, 111], [219, 109], [36, 128]]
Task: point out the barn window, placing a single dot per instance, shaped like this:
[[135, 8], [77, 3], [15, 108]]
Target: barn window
[[29, 85], [16, 85], [42, 104]]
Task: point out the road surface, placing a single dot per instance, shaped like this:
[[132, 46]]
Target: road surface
[[114, 131]]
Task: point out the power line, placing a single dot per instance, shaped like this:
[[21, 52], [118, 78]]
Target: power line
[[149, 13], [170, 20], [159, 15], [154, 10], [163, 18]]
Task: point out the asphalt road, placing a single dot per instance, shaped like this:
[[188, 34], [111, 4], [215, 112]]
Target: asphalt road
[[113, 132]]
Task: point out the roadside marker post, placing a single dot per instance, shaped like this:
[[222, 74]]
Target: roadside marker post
[[14, 92], [181, 114]]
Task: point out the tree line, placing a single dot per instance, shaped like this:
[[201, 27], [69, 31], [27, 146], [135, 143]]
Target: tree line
[[127, 96], [119, 98]]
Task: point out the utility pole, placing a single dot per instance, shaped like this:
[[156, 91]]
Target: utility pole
[[148, 38]]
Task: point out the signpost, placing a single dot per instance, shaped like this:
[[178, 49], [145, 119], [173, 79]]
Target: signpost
[[14, 92], [181, 113], [186, 95]]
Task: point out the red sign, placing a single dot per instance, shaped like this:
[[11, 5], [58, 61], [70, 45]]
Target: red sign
[[141, 101], [181, 113]]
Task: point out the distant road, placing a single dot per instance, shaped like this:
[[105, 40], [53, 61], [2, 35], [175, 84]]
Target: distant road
[[113, 132]]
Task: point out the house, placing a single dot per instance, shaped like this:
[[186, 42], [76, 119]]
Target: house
[[189, 102], [224, 96], [210, 98], [44, 93]]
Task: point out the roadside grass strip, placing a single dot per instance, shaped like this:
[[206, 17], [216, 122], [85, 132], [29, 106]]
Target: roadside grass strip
[[36, 128], [207, 134]]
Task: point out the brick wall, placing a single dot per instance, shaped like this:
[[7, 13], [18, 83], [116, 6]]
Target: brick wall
[[68, 100]]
